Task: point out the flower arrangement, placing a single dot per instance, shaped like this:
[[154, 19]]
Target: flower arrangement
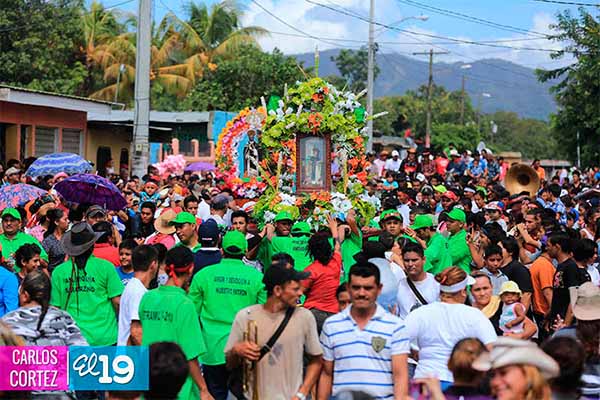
[[314, 107], [227, 156], [172, 164]]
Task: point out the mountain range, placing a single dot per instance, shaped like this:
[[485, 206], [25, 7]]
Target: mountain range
[[497, 85]]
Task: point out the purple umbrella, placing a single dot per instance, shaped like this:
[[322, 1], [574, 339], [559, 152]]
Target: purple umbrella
[[92, 189], [200, 166], [19, 195]]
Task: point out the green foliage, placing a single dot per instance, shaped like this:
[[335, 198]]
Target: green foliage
[[578, 92], [39, 45], [353, 66], [463, 138], [240, 81]]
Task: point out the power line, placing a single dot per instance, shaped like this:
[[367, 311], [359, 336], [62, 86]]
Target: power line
[[463, 41], [294, 28], [569, 3], [470, 18]]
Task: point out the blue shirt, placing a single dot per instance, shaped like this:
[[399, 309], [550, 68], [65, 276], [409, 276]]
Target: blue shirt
[[124, 276], [9, 291], [363, 358]]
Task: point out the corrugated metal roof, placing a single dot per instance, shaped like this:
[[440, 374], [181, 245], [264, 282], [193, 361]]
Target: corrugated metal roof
[[68, 96], [155, 116]]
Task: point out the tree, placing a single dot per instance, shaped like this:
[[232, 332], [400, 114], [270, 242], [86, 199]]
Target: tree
[[39, 45], [353, 66], [240, 81], [578, 92]]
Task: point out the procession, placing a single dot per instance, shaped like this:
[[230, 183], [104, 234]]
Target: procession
[[303, 256]]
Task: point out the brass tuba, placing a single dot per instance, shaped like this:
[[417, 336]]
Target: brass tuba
[[522, 178], [250, 369]]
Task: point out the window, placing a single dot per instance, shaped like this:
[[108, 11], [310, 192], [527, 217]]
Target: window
[[46, 140], [71, 141]]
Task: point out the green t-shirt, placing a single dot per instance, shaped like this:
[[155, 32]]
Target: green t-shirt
[[265, 253], [351, 246], [194, 249], [219, 291], [168, 315], [9, 247], [459, 251], [437, 255], [297, 247], [90, 302]]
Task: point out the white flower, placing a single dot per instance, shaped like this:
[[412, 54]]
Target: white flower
[[269, 216], [288, 200]]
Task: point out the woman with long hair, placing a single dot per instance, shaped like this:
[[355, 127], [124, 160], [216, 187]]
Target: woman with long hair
[[40, 324], [437, 327], [321, 286], [519, 370], [58, 223], [87, 287]]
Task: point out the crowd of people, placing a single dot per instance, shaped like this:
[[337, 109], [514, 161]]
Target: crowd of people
[[457, 289]]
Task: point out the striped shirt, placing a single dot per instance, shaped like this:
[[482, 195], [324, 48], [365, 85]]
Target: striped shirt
[[363, 358]]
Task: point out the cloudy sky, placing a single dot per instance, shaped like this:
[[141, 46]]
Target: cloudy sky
[[298, 26]]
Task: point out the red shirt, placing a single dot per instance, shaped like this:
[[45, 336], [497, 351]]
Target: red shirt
[[322, 284], [108, 253]]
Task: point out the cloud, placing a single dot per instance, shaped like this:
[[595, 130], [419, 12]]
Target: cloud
[[329, 25]]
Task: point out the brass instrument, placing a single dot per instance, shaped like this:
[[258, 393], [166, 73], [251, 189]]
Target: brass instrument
[[250, 369], [522, 178]]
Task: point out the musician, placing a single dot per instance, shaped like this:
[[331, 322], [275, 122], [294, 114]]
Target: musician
[[280, 370]]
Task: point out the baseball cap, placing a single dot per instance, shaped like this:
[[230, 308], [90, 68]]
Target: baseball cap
[[12, 170], [585, 300], [95, 210], [422, 221], [220, 201], [457, 215], [301, 227], [235, 243], [12, 212], [451, 195], [283, 216], [454, 153], [440, 188], [183, 217], [390, 214], [277, 275], [427, 190], [208, 232], [395, 153], [493, 206], [420, 177]]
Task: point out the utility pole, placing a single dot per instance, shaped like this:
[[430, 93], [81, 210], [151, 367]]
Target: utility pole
[[462, 103], [370, 76], [141, 115], [429, 93]]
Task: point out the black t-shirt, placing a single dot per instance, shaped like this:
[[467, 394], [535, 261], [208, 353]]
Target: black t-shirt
[[517, 272], [567, 275]]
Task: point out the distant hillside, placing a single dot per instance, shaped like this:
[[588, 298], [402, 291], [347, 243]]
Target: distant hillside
[[513, 87]]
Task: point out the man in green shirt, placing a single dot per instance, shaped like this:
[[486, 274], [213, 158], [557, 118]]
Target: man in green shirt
[[12, 238], [185, 227], [87, 287], [167, 314], [457, 241], [352, 243], [437, 256], [276, 239], [297, 245], [219, 291], [391, 221]]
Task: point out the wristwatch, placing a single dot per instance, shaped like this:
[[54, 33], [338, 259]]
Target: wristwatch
[[301, 396]]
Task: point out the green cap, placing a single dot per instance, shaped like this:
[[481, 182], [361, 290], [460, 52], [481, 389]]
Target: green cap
[[301, 227], [183, 217], [283, 216], [457, 215], [235, 243], [440, 188], [390, 214], [13, 212], [422, 221]]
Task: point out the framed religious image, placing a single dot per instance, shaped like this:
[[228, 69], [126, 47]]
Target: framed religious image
[[313, 163]]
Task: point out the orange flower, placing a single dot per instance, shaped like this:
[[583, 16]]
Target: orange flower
[[353, 162], [325, 90], [362, 176], [317, 97], [314, 121], [359, 140]]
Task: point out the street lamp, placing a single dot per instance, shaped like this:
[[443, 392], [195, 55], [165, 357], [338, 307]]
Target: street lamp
[[121, 70], [371, 68], [417, 17]]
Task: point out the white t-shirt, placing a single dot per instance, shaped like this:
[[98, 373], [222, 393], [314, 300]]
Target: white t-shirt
[[379, 164], [128, 309], [203, 210], [391, 165], [592, 269], [389, 290], [404, 211], [437, 327], [407, 301]]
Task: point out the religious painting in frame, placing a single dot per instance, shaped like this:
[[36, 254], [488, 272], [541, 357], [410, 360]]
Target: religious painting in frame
[[313, 158]]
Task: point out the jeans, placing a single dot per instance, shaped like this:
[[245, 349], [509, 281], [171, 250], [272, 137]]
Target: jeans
[[216, 377]]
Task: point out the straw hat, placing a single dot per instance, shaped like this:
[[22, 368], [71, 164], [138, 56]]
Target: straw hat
[[161, 224], [585, 301], [510, 351]]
